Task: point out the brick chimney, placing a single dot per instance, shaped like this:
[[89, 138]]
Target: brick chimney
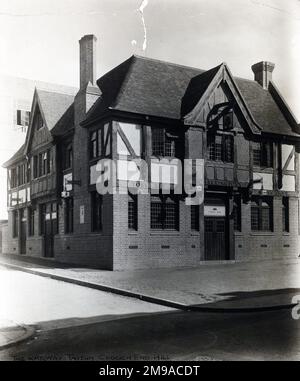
[[263, 73], [87, 60]]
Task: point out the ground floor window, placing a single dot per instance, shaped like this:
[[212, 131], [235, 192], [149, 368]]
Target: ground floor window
[[31, 215], [15, 223], [69, 212], [164, 213], [195, 217], [132, 212], [97, 203], [261, 214], [285, 214], [237, 213]]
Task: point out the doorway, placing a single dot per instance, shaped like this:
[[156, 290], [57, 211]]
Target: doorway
[[215, 229], [23, 231]]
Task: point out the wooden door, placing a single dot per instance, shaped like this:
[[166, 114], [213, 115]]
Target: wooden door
[[215, 238]]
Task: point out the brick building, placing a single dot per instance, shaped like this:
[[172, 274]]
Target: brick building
[[150, 109]]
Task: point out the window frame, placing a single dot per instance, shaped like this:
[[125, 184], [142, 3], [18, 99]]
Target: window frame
[[224, 156], [257, 203], [163, 150], [164, 201], [132, 213]]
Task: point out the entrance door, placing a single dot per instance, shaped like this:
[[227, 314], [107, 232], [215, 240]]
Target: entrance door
[[23, 228], [215, 238], [49, 215]]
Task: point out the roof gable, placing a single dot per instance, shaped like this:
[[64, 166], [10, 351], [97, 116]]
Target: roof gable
[[220, 74]]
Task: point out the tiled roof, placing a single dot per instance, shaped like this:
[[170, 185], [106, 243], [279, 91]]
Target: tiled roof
[[54, 105], [162, 89], [16, 157]]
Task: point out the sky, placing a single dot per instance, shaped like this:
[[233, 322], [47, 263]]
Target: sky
[[39, 38]]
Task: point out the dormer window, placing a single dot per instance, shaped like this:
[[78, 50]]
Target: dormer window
[[220, 147]]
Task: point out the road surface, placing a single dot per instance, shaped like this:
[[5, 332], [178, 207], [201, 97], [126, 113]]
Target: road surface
[[76, 323]]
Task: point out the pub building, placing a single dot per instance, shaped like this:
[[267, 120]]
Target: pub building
[[151, 109]]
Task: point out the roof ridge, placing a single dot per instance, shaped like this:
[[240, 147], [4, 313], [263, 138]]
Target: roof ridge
[[54, 92], [168, 62]]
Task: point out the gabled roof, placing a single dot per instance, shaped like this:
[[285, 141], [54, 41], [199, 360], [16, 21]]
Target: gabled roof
[[157, 88], [53, 106]]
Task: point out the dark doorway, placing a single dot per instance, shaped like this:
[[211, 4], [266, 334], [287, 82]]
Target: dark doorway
[[216, 229], [49, 219], [23, 229]]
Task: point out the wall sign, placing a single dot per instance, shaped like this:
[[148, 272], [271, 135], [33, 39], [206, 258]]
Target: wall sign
[[214, 211], [81, 214]]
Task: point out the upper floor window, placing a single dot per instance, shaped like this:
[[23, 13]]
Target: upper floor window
[[100, 142], [13, 178], [42, 164], [38, 121], [220, 147], [262, 154], [23, 118], [262, 214], [67, 156], [163, 143]]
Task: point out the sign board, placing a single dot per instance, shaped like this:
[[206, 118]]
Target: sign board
[[214, 211], [81, 214]]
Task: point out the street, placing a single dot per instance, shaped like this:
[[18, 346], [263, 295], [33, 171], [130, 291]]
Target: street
[[77, 323]]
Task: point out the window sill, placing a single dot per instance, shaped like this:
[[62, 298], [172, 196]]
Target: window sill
[[165, 232], [261, 233]]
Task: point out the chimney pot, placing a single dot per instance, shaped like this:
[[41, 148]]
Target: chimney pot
[[87, 60], [263, 73]]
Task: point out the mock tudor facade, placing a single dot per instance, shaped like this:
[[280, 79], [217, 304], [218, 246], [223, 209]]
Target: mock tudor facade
[[151, 110]]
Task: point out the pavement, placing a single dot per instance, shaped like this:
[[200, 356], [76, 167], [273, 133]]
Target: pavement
[[234, 287], [12, 333]]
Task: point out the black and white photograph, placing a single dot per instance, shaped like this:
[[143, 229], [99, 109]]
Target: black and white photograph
[[149, 183]]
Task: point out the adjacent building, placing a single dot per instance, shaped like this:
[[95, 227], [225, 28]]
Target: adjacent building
[[154, 110]]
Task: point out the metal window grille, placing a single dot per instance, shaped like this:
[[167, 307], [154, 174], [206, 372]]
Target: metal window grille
[[132, 213], [165, 213]]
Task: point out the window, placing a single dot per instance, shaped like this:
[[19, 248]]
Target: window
[[100, 141], [195, 217], [163, 143], [237, 213], [31, 215], [69, 209], [285, 215], [14, 178], [39, 123], [67, 157], [132, 212], [42, 164], [23, 119], [15, 223], [262, 154], [164, 213], [220, 147], [97, 202], [262, 214], [21, 174]]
